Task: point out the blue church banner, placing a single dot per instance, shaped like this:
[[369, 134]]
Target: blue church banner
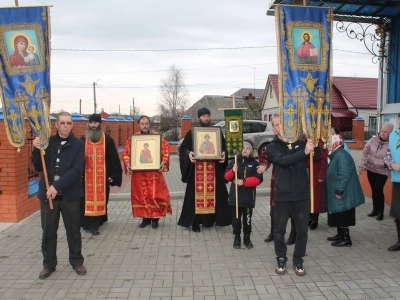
[[304, 60], [25, 72]]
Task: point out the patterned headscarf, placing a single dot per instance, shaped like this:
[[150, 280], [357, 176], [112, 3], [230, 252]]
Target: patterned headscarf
[[337, 141]]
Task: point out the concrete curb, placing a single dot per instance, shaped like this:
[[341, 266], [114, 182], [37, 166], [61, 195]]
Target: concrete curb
[[177, 195]]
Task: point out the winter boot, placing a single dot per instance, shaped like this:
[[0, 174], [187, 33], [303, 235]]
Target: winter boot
[[345, 240], [236, 241], [270, 237], [337, 237], [246, 241], [314, 221], [396, 247], [292, 236]]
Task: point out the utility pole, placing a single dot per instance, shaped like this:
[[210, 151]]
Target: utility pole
[[133, 107], [119, 109], [254, 83], [80, 106], [94, 96]]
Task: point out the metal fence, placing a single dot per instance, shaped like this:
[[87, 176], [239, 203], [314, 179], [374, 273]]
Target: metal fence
[[369, 132]]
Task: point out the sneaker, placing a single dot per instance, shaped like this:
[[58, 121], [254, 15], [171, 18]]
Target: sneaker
[[280, 269], [298, 268]]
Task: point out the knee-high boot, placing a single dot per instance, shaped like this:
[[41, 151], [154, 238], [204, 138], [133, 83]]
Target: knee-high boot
[[270, 237], [396, 247], [292, 236], [345, 241]]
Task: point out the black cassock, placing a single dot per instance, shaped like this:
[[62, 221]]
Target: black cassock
[[222, 216], [114, 171]]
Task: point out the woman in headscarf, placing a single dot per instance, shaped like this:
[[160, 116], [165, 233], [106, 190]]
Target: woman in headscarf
[[343, 192], [17, 59]]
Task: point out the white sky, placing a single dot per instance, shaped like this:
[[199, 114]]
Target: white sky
[[161, 25]]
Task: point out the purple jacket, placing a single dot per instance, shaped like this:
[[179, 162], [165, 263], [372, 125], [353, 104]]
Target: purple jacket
[[372, 156]]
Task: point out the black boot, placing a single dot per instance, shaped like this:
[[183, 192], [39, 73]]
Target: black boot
[[246, 241], [345, 241], [236, 241], [380, 216], [145, 222], [292, 236], [396, 247], [314, 221], [373, 213], [270, 237], [337, 237]]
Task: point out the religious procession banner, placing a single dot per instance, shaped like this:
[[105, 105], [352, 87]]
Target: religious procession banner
[[304, 61], [25, 72], [233, 130]]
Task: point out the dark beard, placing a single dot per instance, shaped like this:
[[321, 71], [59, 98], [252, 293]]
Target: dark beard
[[94, 135], [145, 132], [202, 124]]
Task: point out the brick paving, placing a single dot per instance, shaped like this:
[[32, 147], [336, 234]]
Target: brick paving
[[126, 262]]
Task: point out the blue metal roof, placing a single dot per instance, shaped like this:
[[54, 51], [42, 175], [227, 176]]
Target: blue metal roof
[[359, 8]]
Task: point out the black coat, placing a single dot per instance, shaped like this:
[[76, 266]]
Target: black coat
[[247, 168], [291, 177], [222, 216], [72, 163]]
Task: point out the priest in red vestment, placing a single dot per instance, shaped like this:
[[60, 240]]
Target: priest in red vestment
[[149, 192], [102, 170]]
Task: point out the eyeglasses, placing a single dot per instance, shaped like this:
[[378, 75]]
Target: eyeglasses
[[65, 123]]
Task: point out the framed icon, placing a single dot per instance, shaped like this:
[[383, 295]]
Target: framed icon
[[207, 143], [145, 152]]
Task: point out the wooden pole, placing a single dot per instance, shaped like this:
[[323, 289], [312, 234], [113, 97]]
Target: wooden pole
[[233, 101], [16, 3], [236, 189], [46, 179]]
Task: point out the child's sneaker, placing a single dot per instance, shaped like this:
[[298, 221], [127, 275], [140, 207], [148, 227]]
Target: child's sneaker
[[298, 268], [280, 269]]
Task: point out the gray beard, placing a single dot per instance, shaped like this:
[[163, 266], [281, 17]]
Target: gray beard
[[94, 135]]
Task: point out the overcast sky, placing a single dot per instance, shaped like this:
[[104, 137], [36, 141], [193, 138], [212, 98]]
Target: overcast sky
[[152, 26]]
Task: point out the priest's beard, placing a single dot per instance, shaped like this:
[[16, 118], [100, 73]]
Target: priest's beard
[[144, 131], [94, 135], [202, 124]]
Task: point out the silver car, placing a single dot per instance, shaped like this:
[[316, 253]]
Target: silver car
[[260, 130]]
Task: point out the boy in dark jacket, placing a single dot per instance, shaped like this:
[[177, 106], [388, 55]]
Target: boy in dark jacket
[[247, 180]]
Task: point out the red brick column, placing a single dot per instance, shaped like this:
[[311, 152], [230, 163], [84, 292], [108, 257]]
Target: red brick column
[[186, 125]]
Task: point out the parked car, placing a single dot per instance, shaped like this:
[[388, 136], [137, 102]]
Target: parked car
[[260, 130]]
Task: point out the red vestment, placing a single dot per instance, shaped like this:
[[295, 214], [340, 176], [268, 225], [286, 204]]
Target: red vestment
[[149, 192]]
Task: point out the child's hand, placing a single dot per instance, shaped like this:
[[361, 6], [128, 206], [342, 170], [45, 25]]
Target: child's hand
[[239, 182], [234, 169]]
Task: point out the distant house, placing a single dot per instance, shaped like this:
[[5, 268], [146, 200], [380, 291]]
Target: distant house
[[215, 103], [350, 97]]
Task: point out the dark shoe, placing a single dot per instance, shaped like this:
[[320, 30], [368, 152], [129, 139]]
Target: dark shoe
[[380, 216], [196, 228], [145, 222], [95, 232], [345, 241], [46, 273], [80, 270], [298, 268], [395, 247], [280, 269], [246, 241], [337, 237], [236, 242], [373, 213], [269, 238], [313, 225], [154, 223], [292, 238]]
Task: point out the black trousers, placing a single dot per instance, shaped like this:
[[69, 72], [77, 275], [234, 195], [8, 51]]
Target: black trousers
[[245, 214], [377, 182], [50, 218], [300, 212]]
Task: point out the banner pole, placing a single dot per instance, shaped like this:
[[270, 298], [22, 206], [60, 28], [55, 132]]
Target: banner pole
[[312, 180], [16, 3], [236, 190], [46, 179]]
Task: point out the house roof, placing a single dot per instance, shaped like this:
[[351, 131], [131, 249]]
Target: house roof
[[245, 92], [214, 103], [360, 92]]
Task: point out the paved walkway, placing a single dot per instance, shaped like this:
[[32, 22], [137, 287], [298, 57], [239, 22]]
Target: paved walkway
[[126, 262]]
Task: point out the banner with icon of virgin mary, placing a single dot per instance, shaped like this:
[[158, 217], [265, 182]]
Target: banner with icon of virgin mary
[[25, 72], [304, 60]]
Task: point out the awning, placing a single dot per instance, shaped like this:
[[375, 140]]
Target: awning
[[343, 114]]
